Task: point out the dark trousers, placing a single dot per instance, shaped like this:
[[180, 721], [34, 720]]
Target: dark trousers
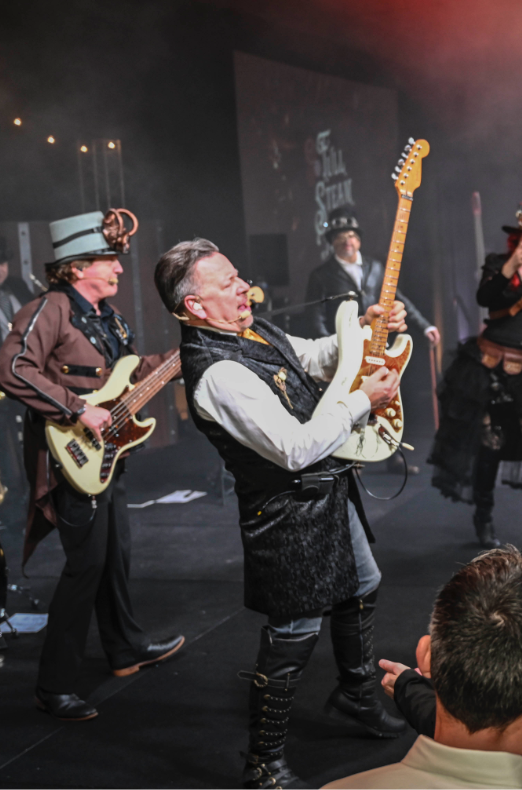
[[95, 576], [487, 462]]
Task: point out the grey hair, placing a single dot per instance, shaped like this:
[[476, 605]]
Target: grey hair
[[174, 274]]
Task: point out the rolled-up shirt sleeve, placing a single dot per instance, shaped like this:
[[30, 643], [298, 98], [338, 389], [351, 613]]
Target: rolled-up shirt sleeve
[[237, 399]]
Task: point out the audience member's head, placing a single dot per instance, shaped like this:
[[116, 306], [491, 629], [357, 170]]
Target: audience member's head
[[476, 641]]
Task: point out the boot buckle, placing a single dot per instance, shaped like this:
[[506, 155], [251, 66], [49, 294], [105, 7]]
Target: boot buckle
[[262, 681]]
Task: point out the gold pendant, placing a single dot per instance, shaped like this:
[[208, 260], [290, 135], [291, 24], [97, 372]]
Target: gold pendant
[[280, 382]]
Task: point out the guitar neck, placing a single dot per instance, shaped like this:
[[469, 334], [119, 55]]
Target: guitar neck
[[142, 392], [391, 276]]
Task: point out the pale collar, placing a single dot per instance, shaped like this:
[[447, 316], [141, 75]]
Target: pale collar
[[358, 260], [473, 767]]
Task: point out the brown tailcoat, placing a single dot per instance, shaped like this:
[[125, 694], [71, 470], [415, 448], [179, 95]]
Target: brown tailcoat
[[51, 343]]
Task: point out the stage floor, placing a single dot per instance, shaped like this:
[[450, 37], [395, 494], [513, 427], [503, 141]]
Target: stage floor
[[182, 724]]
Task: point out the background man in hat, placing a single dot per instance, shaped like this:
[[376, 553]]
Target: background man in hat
[[62, 345], [481, 396], [348, 270]]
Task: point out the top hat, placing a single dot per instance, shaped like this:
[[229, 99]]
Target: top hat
[[91, 235], [339, 221], [512, 228]]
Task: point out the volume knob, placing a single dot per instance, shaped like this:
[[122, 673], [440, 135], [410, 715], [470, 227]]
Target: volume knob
[[390, 412], [397, 424]]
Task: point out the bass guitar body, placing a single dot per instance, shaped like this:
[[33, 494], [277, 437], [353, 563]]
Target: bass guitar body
[[86, 463]]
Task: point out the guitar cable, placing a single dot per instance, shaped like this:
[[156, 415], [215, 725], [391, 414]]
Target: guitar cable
[[397, 493]]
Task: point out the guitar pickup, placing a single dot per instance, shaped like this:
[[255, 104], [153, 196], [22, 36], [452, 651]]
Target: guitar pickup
[[92, 438], [76, 453]]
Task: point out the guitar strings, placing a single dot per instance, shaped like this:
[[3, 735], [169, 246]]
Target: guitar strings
[[149, 386]]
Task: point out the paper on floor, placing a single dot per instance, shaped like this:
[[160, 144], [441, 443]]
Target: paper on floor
[[177, 497], [27, 623]]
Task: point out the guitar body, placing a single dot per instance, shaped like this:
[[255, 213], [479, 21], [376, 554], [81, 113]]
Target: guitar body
[[86, 463], [367, 444]]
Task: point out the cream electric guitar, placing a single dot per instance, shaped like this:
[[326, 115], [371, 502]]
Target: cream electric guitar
[[363, 351], [85, 462]]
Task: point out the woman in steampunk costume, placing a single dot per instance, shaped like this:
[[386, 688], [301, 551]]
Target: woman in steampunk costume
[[481, 396], [63, 345]]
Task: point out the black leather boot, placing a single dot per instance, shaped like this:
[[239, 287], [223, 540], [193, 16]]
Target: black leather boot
[[353, 702], [280, 664], [484, 527]]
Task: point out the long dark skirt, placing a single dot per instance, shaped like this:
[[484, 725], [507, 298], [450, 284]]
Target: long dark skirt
[[478, 407]]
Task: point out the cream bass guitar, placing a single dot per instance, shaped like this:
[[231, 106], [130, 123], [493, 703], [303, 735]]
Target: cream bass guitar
[[88, 464], [363, 351]]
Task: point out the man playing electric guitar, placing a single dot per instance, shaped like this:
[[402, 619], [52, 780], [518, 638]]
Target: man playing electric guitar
[[252, 391], [62, 345]]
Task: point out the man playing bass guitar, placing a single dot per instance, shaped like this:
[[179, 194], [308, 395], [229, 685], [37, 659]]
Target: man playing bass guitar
[[63, 345]]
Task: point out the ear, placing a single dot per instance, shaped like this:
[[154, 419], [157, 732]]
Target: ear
[[193, 307], [423, 655], [78, 273]]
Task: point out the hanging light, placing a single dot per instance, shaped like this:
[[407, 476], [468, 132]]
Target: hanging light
[[84, 149], [111, 145], [17, 121], [51, 139]]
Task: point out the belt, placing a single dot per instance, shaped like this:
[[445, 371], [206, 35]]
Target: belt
[[513, 310], [492, 355]]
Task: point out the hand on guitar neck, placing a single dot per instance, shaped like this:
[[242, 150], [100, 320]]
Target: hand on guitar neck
[[381, 387], [96, 419], [396, 317]]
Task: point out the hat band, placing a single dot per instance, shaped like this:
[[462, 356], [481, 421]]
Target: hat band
[[74, 236]]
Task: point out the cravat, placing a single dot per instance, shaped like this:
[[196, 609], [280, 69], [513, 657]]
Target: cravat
[[249, 334]]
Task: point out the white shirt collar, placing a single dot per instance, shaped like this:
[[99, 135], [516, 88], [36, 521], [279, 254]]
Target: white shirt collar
[[358, 260]]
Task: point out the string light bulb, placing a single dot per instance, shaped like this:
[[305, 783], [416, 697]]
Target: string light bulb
[[84, 149], [51, 139], [111, 145], [17, 121]]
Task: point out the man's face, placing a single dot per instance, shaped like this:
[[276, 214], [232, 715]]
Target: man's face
[[221, 295], [4, 272], [346, 245], [99, 280]]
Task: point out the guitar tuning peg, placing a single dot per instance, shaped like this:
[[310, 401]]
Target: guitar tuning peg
[[411, 140], [400, 162], [407, 148], [394, 176], [397, 169]]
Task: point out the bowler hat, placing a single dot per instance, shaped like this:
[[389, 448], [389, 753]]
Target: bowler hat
[[512, 228]]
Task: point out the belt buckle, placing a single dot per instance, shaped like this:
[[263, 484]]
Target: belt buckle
[[263, 678]]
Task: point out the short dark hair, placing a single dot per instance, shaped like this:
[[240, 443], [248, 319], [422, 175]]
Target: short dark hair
[[476, 641], [174, 271]]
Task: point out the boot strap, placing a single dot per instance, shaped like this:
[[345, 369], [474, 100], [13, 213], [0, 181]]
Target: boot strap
[[262, 681]]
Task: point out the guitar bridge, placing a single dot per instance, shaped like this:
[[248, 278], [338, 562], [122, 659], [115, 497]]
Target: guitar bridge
[[76, 453], [108, 460]]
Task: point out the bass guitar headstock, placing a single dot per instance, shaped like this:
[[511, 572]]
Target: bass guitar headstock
[[408, 172]]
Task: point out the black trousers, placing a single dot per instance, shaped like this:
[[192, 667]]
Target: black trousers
[[95, 576]]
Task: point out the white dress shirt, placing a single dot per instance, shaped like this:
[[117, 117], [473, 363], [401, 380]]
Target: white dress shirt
[[353, 269], [237, 399], [431, 764]]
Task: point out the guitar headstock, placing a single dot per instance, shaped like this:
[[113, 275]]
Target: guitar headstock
[[408, 172]]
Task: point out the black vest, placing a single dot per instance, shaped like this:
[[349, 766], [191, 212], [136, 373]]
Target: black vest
[[298, 552]]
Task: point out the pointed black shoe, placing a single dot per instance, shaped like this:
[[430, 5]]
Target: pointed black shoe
[[485, 528], [67, 707], [353, 703], [156, 651], [280, 664]]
